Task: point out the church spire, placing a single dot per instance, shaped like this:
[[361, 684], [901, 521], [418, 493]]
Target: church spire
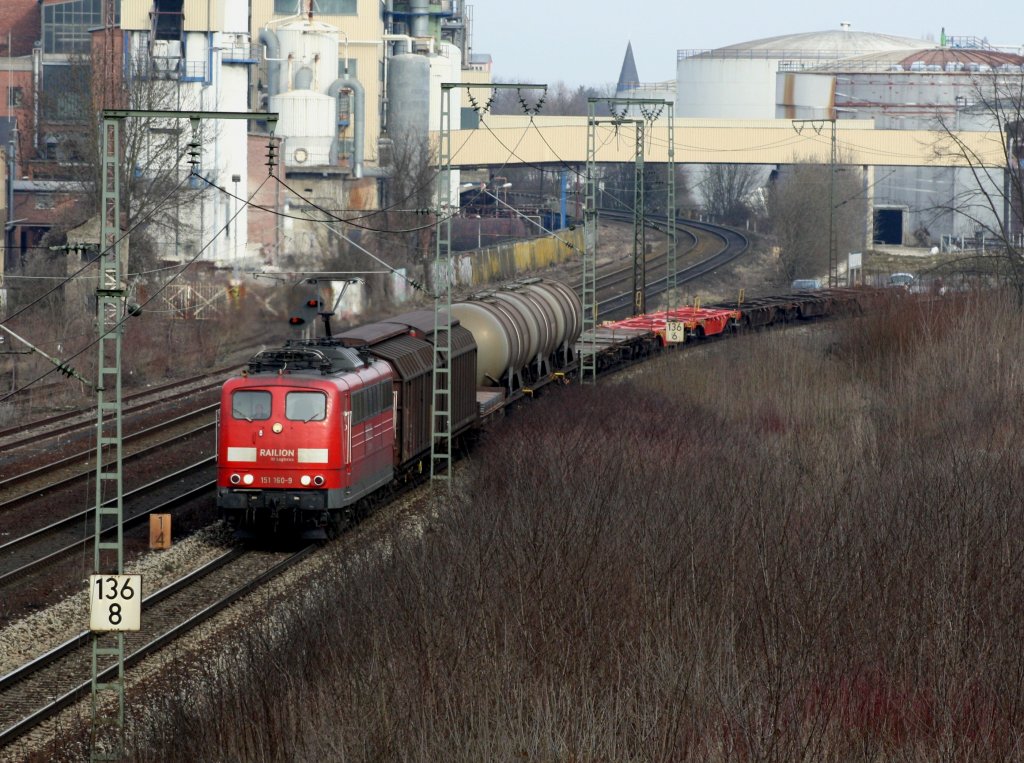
[[628, 78]]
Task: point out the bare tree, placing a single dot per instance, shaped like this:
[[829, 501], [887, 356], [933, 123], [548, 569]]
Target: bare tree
[[400, 234], [619, 183], [153, 157], [728, 189], [410, 190], [800, 218], [992, 200]]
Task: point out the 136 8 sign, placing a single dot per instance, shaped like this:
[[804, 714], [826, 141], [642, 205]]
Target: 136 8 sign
[[675, 331], [115, 602]]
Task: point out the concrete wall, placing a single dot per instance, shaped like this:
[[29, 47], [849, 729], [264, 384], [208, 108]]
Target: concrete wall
[[506, 261]]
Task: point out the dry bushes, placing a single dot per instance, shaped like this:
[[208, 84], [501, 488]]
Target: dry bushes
[[815, 557]]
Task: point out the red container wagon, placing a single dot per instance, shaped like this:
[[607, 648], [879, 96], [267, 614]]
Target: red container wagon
[[698, 322]]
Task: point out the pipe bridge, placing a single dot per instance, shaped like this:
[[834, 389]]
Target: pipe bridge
[[514, 140]]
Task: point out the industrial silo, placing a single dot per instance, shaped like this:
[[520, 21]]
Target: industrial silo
[[408, 97], [306, 54], [306, 123], [738, 81]]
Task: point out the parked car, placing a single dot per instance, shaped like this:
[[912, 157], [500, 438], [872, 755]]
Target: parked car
[[902, 281], [806, 284]]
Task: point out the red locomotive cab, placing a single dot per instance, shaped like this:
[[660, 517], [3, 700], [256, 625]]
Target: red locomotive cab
[[297, 449], [279, 435]]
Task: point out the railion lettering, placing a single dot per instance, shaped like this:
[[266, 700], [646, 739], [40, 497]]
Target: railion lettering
[[277, 453]]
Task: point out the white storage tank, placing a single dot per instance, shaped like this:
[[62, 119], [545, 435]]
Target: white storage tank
[[739, 81], [445, 67], [309, 50], [307, 123]]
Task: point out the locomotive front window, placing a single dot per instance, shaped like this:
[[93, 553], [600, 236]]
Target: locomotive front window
[[305, 406], [251, 405]]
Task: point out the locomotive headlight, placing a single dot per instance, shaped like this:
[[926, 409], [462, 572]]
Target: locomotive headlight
[[235, 479], [247, 479], [305, 480], [278, 427], [318, 480]]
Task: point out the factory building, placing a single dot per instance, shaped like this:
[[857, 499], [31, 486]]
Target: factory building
[[346, 81], [899, 83], [348, 78]]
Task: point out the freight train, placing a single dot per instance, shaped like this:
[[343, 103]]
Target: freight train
[[312, 431]]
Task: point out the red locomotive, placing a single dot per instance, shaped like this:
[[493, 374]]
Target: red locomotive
[[307, 428]]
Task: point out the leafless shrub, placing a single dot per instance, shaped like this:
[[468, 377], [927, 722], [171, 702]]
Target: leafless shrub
[[796, 549]]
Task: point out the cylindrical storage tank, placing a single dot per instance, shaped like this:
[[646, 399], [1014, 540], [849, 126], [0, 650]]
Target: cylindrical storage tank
[[306, 120], [500, 344], [308, 44], [408, 97], [566, 305], [446, 67]]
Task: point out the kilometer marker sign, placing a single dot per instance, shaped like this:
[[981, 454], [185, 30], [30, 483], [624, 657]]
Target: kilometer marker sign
[[115, 603], [675, 331]]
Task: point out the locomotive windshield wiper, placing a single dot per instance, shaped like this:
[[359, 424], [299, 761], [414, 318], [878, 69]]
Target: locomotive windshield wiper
[[239, 415]]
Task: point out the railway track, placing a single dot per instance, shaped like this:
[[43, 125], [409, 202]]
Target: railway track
[[48, 684], [47, 521], [58, 676], [62, 423], [37, 548], [40, 440], [78, 466], [710, 247]]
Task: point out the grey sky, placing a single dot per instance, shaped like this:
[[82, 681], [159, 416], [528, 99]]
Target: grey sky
[[582, 43]]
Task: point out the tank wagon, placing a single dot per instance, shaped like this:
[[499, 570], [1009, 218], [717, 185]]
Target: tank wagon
[[312, 429]]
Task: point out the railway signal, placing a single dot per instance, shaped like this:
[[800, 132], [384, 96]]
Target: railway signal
[[306, 313]]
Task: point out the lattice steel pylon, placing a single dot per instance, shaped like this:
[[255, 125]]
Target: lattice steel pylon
[[651, 109], [108, 555], [441, 397], [639, 229], [588, 286], [818, 125], [109, 486], [833, 254], [671, 265], [441, 413]]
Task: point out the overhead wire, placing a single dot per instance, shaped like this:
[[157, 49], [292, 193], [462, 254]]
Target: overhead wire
[[327, 224], [117, 326], [332, 218]]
